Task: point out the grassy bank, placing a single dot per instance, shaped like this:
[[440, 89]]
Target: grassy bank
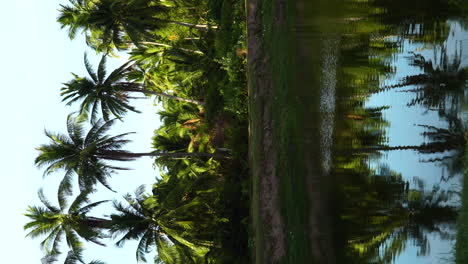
[[280, 200]]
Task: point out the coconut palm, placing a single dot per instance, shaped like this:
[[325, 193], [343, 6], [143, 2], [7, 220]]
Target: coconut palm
[[441, 84], [393, 214], [441, 140], [72, 258], [149, 220], [109, 93], [152, 225], [169, 253], [85, 154], [71, 221], [110, 20]]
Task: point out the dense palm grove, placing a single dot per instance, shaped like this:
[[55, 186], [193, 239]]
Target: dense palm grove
[[190, 56]]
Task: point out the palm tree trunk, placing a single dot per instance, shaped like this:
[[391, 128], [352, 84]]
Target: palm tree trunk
[[123, 155], [197, 26], [142, 90], [178, 154], [167, 46], [389, 148]]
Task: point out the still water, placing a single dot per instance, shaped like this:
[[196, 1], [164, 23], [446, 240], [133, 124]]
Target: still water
[[391, 126]]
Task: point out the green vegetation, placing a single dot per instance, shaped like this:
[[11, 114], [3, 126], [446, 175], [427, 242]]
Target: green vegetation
[[303, 171], [287, 115], [275, 80], [191, 56]]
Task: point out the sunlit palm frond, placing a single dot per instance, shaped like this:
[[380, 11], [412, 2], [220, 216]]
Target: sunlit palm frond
[[72, 223], [99, 92], [83, 154], [101, 72]]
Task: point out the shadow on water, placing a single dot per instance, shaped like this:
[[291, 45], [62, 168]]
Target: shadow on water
[[382, 88]]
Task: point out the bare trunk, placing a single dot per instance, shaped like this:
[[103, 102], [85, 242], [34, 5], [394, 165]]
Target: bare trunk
[[197, 26], [124, 156], [178, 154], [168, 46], [139, 88], [389, 148]]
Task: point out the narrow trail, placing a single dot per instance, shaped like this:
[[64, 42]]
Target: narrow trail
[[290, 144]]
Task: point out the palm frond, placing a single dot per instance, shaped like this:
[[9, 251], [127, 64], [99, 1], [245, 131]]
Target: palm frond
[[118, 74], [89, 69], [147, 241], [46, 202], [65, 189], [49, 259], [50, 243], [79, 201], [101, 72], [89, 207]]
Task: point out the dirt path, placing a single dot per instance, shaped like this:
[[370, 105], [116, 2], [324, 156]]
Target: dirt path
[[291, 217], [268, 224]]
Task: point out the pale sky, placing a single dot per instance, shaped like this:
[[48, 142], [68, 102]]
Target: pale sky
[[38, 57]]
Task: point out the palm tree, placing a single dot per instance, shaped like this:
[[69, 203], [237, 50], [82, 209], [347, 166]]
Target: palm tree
[[55, 222], [110, 93], [108, 20], [440, 85], [169, 253], [392, 214], [72, 258], [440, 140], [85, 155], [142, 219], [154, 223]]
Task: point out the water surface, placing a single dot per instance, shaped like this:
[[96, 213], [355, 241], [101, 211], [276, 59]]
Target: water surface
[[384, 93]]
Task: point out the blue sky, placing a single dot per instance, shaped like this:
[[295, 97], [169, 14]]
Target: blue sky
[[37, 58]]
